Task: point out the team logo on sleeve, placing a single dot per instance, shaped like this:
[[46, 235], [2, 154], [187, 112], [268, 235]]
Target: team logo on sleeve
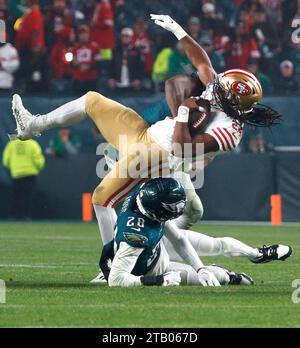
[[174, 207], [241, 88], [135, 238]]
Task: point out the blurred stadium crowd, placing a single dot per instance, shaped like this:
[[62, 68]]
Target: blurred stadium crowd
[[71, 46]]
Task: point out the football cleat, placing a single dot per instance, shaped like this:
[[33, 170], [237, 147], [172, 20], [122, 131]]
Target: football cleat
[[100, 279], [234, 278], [239, 279], [273, 253], [23, 120]]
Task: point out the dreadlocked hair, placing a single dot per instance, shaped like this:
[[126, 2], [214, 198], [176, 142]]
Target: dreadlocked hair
[[260, 116]]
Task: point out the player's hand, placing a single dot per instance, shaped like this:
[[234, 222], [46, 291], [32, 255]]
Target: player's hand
[[207, 278], [169, 24], [172, 279], [191, 103]]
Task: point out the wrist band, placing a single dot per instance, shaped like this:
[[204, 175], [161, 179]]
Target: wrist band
[[183, 114], [155, 280], [180, 33]]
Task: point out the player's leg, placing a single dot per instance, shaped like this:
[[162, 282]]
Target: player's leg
[[194, 209], [231, 247], [190, 277], [112, 190], [112, 119], [29, 125], [210, 246], [225, 246], [225, 277]]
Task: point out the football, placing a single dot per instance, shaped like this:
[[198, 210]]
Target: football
[[199, 119]]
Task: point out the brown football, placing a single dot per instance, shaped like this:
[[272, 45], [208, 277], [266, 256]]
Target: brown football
[[198, 120]]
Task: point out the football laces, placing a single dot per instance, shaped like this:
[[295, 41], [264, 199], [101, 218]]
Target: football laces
[[198, 123]]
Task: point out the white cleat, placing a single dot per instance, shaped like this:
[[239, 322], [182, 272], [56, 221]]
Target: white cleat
[[273, 253], [23, 120], [100, 279]]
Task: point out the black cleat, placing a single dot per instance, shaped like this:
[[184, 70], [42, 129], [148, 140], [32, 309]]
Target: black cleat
[[273, 253], [236, 278], [239, 279]]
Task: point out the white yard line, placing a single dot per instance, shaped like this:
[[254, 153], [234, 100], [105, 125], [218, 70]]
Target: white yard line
[[42, 265], [4, 265], [45, 237], [138, 306]]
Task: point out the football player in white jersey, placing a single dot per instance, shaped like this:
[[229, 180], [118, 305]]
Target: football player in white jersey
[[232, 96]]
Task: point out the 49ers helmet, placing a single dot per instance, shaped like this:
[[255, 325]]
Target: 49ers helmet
[[238, 93], [244, 85]]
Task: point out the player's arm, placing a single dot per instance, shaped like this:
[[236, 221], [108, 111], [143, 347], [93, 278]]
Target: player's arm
[[178, 88], [193, 50], [184, 248], [199, 59], [123, 264], [182, 134], [182, 245]]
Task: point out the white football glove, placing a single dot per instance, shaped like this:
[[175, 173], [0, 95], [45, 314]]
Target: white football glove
[[207, 278], [169, 24], [172, 279]]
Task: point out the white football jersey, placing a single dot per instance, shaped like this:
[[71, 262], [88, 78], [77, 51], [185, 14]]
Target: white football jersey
[[225, 130]]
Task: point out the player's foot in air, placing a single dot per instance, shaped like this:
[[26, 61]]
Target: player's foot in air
[[23, 119], [100, 279], [273, 253]]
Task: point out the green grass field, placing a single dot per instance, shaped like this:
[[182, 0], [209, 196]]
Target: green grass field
[[47, 268]]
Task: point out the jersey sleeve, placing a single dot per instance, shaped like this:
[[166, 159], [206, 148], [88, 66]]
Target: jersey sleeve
[[227, 133], [122, 266]]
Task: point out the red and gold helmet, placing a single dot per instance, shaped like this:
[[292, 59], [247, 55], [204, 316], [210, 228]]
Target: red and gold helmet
[[244, 85]]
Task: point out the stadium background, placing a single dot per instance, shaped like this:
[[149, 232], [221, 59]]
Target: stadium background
[[255, 35]]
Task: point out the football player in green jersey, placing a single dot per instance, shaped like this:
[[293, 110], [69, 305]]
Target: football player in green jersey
[[145, 249]]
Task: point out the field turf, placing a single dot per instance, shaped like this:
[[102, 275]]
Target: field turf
[[47, 268]]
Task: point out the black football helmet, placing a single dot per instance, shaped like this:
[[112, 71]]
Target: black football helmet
[[161, 199]]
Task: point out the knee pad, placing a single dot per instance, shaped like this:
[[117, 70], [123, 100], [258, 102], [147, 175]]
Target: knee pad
[[228, 246]]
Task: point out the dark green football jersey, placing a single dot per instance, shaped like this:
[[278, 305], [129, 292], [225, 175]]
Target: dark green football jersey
[[138, 231]]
